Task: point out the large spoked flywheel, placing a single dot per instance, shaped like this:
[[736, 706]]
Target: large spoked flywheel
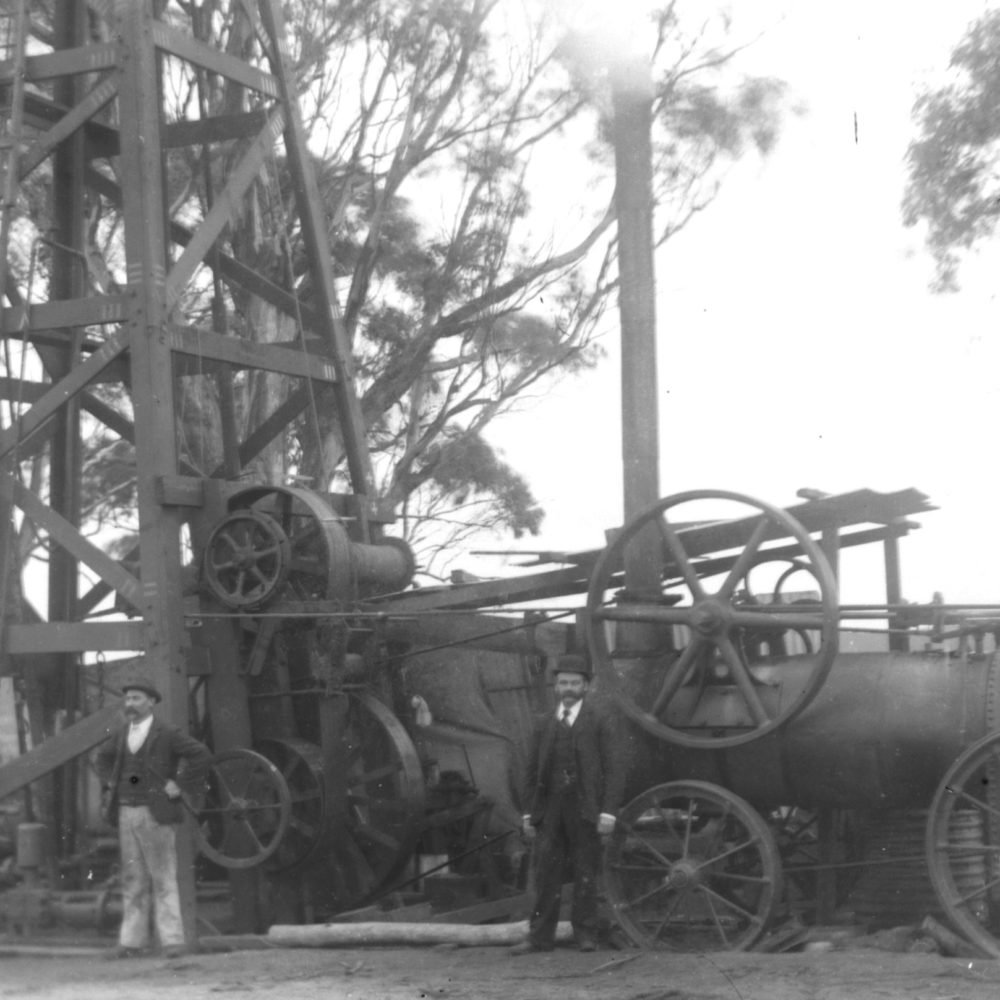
[[245, 812], [688, 678], [963, 844], [692, 867], [381, 783], [300, 764]]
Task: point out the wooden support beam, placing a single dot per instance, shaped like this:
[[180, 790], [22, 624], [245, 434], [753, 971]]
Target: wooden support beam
[[61, 391], [65, 62], [571, 580], [80, 738], [101, 95], [235, 272], [190, 49], [315, 240], [63, 314], [68, 537], [73, 637], [287, 360], [225, 208]]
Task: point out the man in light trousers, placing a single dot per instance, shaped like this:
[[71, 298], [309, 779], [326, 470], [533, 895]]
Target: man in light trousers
[[144, 768]]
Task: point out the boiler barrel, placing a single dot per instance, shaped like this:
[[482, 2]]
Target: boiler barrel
[[879, 734]]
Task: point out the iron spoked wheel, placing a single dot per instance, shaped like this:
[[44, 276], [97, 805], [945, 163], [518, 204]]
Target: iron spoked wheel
[[319, 559], [692, 867], [247, 560], [777, 641], [301, 766], [246, 810], [963, 844], [700, 631], [383, 800]]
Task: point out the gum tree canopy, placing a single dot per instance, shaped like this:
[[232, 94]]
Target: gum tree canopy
[[954, 184]]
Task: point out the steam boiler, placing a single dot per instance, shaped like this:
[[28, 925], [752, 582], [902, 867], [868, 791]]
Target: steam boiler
[[755, 723]]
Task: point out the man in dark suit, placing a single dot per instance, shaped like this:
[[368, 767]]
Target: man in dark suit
[[574, 787], [144, 768]]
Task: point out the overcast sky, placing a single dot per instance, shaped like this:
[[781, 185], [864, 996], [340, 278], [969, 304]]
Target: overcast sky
[[799, 343]]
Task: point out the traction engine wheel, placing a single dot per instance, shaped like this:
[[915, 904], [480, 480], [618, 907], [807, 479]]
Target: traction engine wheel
[[692, 867], [963, 844], [710, 655], [246, 810]]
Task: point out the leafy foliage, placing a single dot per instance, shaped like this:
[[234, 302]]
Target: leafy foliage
[[953, 185], [461, 297]]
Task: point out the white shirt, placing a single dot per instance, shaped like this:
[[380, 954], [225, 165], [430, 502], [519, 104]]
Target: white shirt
[[137, 733], [571, 713]]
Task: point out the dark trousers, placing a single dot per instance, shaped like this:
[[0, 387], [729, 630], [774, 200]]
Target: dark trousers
[[565, 843]]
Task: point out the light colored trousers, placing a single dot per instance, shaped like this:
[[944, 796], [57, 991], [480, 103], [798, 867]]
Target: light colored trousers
[[149, 879]]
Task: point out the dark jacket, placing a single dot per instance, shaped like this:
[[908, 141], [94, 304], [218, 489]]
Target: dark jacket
[[167, 753], [600, 762]]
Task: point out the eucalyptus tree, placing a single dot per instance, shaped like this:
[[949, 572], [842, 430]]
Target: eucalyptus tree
[[953, 185], [435, 127]]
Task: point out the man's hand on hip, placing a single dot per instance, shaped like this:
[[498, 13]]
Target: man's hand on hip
[[605, 825]]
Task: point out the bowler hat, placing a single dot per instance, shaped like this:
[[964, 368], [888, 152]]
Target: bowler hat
[[141, 684], [572, 663]]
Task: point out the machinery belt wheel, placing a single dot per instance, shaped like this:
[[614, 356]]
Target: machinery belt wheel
[[247, 559], [375, 805], [301, 765], [246, 810], [384, 786], [690, 637], [963, 847], [277, 541], [692, 867]]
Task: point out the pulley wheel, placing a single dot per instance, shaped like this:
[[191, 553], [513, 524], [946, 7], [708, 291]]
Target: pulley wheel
[[247, 560], [963, 844], [319, 559], [691, 632], [246, 810], [692, 867]]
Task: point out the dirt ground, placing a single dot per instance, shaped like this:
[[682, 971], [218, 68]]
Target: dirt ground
[[489, 972]]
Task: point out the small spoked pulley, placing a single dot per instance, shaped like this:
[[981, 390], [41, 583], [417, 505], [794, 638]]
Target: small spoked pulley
[[674, 653], [692, 867], [963, 844], [246, 810], [247, 559]]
